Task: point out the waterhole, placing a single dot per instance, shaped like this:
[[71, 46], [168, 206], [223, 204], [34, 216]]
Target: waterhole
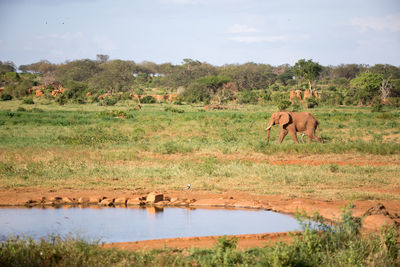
[[134, 224]]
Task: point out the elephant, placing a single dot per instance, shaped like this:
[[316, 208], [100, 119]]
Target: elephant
[[293, 122]]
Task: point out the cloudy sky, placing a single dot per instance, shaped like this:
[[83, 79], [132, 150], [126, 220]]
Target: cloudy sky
[[219, 32]]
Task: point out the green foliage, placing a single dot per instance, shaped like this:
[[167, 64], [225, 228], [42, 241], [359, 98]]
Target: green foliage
[[312, 102], [248, 97], [283, 104], [28, 101], [213, 83], [108, 101], [7, 66], [366, 87], [10, 77], [196, 93], [308, 70], [6, 97], [172, 109], [148, 100]]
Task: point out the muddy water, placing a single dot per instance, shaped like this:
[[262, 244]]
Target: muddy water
[[134, 224]]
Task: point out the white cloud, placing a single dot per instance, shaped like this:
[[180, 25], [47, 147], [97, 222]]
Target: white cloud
[[390, 23], [258, 39], [238, 28]]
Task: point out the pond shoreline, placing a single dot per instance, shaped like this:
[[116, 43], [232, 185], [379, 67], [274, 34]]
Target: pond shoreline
[[375, 213]]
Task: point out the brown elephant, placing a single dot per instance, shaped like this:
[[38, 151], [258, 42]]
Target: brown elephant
[[293, 122]]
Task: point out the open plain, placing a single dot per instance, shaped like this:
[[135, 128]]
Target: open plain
[[66, 153]]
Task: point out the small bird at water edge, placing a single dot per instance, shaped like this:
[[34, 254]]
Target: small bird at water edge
[[187, 187]]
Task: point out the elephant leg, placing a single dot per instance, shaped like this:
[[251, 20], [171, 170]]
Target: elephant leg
[[312, 136], [282, 135], [294, 136]]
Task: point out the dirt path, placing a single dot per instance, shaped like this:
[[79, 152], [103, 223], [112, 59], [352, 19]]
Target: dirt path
[[284, 159], [377, 213]]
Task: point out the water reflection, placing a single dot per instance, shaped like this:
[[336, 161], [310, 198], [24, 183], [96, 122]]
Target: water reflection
[[139, 223]]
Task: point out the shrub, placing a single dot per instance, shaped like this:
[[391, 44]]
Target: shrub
[[196, 93], [248, 97], [172, 109], [108, 101], [312, 102], [377, 105], [148, 100], [6, 97], [28, 101], [283, 104], [62, 99]]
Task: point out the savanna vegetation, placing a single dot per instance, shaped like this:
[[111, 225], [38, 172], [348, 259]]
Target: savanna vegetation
[[95, 134], [250, 83]]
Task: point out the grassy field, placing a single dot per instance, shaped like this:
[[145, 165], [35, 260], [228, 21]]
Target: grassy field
[[165, 147]]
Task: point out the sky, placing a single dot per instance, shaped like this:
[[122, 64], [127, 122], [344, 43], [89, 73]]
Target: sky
[[218, 32]]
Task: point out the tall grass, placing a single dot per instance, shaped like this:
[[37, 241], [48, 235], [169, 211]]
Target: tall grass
[[338, 245], [169, 132]]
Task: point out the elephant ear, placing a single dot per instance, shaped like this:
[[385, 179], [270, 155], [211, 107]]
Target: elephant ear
[[284, 118]]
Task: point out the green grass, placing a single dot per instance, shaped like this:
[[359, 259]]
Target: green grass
[[89, 146], [338, 245]]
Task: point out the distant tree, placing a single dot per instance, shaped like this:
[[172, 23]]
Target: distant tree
[[348, 71], [7, 66], [102, 58], [388, 71], [78, 70], [250, 76], [204, 88], [285, 77], [113, 76], [43, 67], [307, 70], [366, 87]]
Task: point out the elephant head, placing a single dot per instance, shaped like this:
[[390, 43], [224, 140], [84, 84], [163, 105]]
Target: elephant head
[[282, 118]]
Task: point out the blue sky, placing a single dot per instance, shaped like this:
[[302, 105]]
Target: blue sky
[[215, 31]]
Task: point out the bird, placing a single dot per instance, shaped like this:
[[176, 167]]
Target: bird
[[187, 187]]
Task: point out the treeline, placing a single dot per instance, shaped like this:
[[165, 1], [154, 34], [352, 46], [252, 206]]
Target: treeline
[[85, 80]]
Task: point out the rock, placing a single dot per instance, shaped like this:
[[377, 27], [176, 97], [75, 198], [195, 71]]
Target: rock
[[31, 202], [154, 197], [134, 202], [120, 201], [67, 200], [94, 200], [83, 200], [107, 202]]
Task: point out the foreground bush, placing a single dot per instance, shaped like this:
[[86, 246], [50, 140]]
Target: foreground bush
[[321, 245]]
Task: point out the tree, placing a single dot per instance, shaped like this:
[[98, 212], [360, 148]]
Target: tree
[[78, 70], [7, 66], [102, 58], [114, 75], [308, 70], [366, 87], [206, 87]]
